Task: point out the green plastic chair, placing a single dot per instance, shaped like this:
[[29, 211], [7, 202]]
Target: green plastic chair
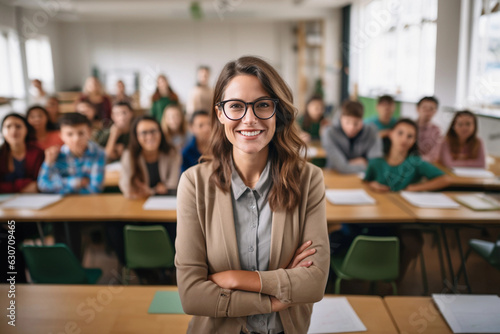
[[368, 258], [489, 251], [57, 265], [147, 247]]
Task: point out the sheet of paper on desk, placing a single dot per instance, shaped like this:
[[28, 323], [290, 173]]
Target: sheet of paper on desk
[[470, 313], [334, 315], [114, 167], [32, 202], [349, 197], [160, 203], [312, 152], [472, 172], [429, 200], [5, 197]]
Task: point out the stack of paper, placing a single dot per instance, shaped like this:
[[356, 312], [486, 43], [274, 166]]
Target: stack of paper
[[5, 197], [472, 172], [429, 200], [160, 203], [334, 315], [470, 313], [349, 197], [31, 202], [478, 202]]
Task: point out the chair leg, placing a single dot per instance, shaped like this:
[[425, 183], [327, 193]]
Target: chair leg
[[125, 275], [440, 254], [394, 288], [424, 273], [462, 267], [462, 258], [337, 285]]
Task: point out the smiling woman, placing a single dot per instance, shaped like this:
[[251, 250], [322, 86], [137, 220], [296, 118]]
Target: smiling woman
[[252, 251]]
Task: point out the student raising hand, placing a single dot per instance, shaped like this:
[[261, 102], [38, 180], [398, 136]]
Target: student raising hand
[[51, 155]]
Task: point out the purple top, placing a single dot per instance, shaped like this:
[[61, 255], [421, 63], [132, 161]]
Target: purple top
[[429, 136], [445, 157]]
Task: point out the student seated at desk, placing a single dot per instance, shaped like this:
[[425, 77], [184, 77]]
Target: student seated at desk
[[401, 168], [313, 121], [116, 138], [174, 127], [385, 120], [20, 158], [94, 94], [46, 133], [349, 144], [151, 165], [200, 128], [461, 147], [78, 166], [162, 97], [429, 134], [88, 110], [52, 107]]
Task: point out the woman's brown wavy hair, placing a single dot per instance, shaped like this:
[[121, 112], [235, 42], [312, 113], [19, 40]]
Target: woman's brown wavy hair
[[285, 147], [472, 143]]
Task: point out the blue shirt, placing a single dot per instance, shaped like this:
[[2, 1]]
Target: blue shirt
[[190, 154], [65, 175], [375, 121]]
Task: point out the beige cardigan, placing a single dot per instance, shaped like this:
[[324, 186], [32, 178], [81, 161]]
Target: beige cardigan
[[169, 166], [206, 243]]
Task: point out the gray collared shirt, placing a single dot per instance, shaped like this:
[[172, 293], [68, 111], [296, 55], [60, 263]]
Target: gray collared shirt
[[253, 223]]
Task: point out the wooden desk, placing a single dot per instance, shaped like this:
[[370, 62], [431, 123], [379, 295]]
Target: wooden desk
[[461, 215], [123, 309], [102, 207], [416, 315], [320, 151], [471, 182], [384, 211], [111, 178]]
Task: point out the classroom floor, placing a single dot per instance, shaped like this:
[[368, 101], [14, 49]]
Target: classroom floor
[[484, 279]]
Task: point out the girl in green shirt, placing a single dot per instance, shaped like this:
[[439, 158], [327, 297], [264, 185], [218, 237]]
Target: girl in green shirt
[[163, 96], [401, 168]]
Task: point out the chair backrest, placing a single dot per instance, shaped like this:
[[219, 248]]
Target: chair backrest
[[53, 264], [372, 258], [148, 247]]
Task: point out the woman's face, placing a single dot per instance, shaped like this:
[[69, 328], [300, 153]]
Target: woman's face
[[162, 83], [403, 137], [93, 85], [37, 119], [315, 109], [148, 135], [173, 118], [249, 135], [14, 131], [464, 127]]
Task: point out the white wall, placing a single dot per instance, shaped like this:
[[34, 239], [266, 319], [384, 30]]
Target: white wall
[[175, 49]]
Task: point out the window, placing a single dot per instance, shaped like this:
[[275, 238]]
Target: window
[[484, 83], [397, 48], [39, 60], [11, 85]]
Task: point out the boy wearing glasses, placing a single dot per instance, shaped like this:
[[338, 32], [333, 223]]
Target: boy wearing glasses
[[78, 166]]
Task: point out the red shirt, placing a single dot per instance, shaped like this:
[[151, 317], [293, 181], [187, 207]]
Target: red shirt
[[32, 161]]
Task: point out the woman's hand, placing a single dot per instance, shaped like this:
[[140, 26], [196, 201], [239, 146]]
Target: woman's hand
[[161, 189], [237, 280], [300, 254], [276, 305], [377, 187]]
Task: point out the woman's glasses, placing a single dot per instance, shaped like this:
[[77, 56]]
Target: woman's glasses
[[263, 108]]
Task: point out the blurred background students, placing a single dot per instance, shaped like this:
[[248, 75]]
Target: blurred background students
[[313, 121], [121, 95], [429, 134], [116, 138], [349, 144], [38, 95], [173, 125], [88, 110], [45, 130], [94, 93], [162, 97], [52, 107], [200, 127], [384, 121], [201, 97], [461, 147]]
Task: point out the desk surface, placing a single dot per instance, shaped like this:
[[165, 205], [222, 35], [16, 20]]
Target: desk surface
[[416, 315], [471, 182], [102, 207], [460, 215], [119, 309]]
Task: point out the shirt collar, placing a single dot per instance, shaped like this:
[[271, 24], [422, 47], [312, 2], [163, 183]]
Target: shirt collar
[[262, 186]]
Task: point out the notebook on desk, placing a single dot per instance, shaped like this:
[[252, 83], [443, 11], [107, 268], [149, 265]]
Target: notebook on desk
[[479, 202], [470, 313]]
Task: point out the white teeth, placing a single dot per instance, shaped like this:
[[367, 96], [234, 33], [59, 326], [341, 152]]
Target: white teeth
[[250, 133]]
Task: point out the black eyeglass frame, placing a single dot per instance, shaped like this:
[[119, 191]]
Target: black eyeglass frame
[[222, 103]]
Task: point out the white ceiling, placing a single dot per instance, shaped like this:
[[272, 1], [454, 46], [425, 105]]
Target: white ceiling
[[125, 10]]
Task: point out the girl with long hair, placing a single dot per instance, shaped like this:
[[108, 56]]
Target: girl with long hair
[[162, 97], [45, 130]]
